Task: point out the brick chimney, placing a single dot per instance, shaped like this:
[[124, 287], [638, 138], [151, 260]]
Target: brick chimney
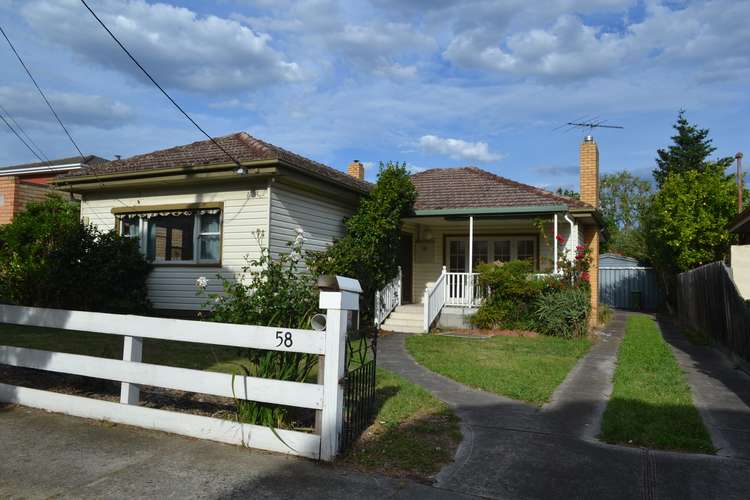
[[356, 170], [589, 171]]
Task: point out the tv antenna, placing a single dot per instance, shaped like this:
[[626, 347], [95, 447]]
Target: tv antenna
[[587, 123]]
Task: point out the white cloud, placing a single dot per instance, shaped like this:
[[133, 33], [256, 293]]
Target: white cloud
[[458, 149], [26, 104], [182, 49]]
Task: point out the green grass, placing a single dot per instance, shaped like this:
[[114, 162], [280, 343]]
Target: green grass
[[413, 435], [162, 352], [523, 368], [651, 404]]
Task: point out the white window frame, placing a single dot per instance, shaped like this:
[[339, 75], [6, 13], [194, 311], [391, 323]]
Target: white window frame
[[143, 223], [514, 239]]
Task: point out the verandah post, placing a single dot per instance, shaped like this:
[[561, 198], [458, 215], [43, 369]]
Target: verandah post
[[338, 296], [132, 350]]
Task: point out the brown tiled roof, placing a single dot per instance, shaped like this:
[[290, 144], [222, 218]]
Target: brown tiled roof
[[241, 146], [88, 159], [471, 187]]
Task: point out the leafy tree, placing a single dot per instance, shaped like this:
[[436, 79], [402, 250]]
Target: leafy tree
[[623, 197], [690, 151], [568, 192], [370, 249], [686, 222]]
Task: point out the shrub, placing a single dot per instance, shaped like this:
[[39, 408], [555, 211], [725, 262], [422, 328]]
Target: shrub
[[48, 258], [270, 292], [563, 313], [512, 291], [369, 251]]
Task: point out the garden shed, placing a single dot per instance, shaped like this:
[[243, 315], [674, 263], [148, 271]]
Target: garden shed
[[625, 283]]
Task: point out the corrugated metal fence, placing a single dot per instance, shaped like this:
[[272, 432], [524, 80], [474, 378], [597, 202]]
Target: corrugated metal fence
[[630, 288], [708, 300]]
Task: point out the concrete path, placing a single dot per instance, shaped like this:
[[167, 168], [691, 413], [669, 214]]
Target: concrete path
[[721, 392], [47, 455], [514, 450]]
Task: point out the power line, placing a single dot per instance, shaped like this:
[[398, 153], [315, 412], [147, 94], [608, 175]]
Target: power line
[[20, 138], [41, 93], [157, 85], [23, 132]]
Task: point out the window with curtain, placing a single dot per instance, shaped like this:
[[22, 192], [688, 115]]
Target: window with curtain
[[525, 249], [178, 236]]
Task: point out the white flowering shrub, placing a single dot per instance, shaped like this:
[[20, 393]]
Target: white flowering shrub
[[270, 292]]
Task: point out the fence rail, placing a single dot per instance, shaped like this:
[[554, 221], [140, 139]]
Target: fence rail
[[463, 289], [387, 299], [327, 399], [708, 300], [434, 300]]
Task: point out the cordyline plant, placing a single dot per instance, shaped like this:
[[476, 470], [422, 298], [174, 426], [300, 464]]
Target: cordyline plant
[[269, 292]]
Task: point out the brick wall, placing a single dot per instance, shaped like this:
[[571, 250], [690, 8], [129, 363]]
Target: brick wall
[[589, 171], [589, 186], [27, 192], [7, 198]]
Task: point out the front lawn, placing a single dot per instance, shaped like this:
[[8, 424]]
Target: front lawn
[[414, 435], [523, 368], [651, 404]]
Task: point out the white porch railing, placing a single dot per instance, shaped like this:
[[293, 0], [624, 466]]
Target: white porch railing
[[326, 398], [387, 299], [434, 301], [463, 290]]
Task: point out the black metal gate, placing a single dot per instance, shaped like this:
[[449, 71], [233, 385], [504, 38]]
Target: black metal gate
[[359, 384]]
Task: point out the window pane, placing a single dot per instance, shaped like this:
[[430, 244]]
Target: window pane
[[130, 226], [525, 249], [481, 253], [210, 248], [170, 238], [457, 256], [502, 250], [210, 223]]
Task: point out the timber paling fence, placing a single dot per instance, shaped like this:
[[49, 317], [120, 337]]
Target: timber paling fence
[[708, 300]]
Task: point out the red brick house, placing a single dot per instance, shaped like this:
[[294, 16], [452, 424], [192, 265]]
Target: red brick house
[[22, 184]]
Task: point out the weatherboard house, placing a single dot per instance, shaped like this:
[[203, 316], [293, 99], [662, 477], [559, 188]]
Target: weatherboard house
[[197, 214]]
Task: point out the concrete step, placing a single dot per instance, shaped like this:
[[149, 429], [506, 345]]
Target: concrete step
[[404, 322], [403, 329], [410, 308], [406, 315]]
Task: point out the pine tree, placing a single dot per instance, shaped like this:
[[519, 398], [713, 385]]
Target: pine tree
[[690, 151]]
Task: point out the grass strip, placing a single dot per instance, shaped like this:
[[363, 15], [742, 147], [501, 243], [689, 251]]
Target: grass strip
[[651, 404], [523, 368], [414, 434]]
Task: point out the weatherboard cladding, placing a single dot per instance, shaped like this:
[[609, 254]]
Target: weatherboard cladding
[[240, 146], [471, 187]]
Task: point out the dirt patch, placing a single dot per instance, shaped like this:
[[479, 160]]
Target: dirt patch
[[485, 333]]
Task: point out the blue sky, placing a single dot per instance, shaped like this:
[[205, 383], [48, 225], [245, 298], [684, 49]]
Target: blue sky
[[429, 82]]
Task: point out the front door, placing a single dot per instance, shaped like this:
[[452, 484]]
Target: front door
[[405, 260]]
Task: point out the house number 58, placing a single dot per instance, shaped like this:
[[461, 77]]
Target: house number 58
[[284, 338]]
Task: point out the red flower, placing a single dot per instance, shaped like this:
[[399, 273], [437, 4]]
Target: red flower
[[560, 239], [585, 276], [580, 247]]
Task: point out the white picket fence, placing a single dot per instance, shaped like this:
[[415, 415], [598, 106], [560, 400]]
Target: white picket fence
[[325, 398]]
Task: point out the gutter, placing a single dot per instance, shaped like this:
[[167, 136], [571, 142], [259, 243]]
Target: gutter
[[34, 170], [529, 209]]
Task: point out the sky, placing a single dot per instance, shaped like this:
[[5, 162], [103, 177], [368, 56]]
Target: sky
[[432, 83]]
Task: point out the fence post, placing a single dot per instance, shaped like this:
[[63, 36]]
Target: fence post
[[132, 350], [338, 296]]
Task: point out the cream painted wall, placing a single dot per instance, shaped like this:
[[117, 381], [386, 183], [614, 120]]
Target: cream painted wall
[[740, 258]]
